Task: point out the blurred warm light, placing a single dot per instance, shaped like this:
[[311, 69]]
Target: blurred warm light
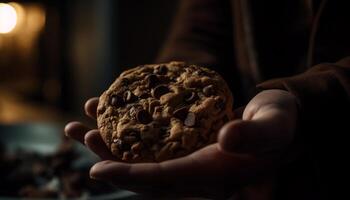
[[23, 37], [8, 18]]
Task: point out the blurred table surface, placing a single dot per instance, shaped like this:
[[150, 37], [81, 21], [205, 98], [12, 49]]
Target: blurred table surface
[[16, 109]]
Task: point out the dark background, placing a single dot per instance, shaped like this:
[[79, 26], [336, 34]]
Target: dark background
[[59, 54], [81, 49]]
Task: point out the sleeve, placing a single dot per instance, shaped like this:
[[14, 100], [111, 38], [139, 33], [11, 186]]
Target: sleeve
[[323, 91], [201, 34]]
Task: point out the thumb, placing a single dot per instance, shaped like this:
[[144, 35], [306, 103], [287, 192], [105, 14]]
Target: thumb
[[265, 135]]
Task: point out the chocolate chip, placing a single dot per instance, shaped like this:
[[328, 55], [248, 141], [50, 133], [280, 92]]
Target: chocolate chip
[[152, 80], [116, 101], [190, 119], [162, 70], [135, 134], [191, 97], [143, 117], [121, 145], [144, 95], [160, 90], [164, 129], [181, 113], [220, 104], [130, 139], [209, 90], [129, 97]]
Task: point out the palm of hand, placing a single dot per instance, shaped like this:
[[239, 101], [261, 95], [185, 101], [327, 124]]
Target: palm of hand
[[246, 149]]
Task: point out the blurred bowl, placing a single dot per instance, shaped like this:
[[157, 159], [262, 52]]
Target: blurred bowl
[[40, 138], [45, 139]]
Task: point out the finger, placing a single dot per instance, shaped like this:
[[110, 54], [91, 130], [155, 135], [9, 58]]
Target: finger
[[91, 107], [138, 174], [265, 133], [206, 168], [95, 143], [76, 130], [202, 166], [228, 137], [182, 176]]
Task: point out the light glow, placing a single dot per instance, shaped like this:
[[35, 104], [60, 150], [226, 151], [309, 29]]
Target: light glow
[[8, 18]]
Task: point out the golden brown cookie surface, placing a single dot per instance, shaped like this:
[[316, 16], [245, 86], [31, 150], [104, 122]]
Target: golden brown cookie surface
[[163, 111]]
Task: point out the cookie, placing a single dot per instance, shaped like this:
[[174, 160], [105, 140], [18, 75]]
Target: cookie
[[153, 113]]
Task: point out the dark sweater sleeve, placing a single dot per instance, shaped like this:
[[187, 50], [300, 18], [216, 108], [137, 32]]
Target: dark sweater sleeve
[[201, 34], [323, 91]]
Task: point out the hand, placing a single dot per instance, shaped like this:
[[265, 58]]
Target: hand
[[247, 149]]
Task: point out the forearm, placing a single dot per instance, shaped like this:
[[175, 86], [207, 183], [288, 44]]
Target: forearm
[[201, 33]]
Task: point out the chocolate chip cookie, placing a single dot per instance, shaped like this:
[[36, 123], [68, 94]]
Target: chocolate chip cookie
[[157, 112]]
